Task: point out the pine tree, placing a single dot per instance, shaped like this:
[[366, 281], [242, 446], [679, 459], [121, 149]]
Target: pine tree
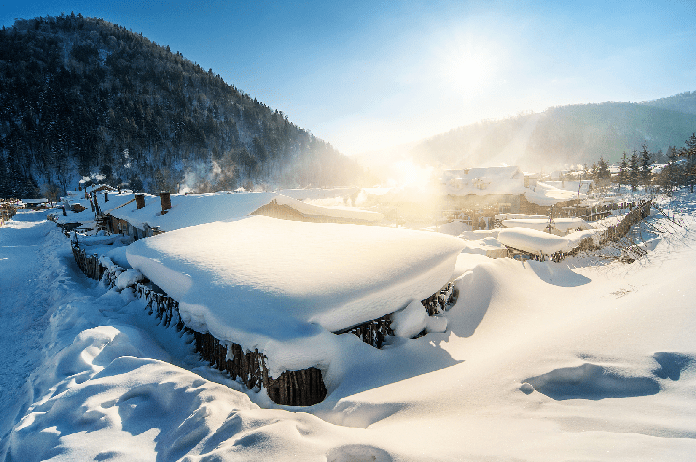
[[623, 171], [672, 170], [634, 171], [689, 152], [603, 172], [645, 161]]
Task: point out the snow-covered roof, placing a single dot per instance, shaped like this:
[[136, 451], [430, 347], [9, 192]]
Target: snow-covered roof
[[269, 284], [540, 224], [539, 242], [196, 209], [87, 215], [546, 194], [483, 181], [318, 193], [572, 185]]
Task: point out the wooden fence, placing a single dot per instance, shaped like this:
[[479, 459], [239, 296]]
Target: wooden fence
[[613, 234], [7, 211]]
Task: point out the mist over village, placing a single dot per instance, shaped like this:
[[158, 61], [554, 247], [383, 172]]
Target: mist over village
[[360, 232]]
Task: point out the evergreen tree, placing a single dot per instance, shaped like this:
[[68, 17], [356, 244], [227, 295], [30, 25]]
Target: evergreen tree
[[672, 172], [603, 172], [634, 171], [645, 162], [689, 152], [623, 171]]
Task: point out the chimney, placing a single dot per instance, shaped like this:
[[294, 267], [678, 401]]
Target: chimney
[[106, 196], [166, 202], [140, 201]]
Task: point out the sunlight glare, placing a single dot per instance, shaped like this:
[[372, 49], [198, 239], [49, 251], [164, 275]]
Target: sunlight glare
[[465, 65]]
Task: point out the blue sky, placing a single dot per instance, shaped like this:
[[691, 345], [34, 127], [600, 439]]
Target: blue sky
[[367, 75]]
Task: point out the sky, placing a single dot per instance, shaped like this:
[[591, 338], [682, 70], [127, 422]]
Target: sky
[[370, 75]]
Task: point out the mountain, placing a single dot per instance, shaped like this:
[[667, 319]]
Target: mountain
[[683, 102], [574, 134], [83, 97]]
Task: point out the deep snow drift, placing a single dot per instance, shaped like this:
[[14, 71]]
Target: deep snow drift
[[587, 359]]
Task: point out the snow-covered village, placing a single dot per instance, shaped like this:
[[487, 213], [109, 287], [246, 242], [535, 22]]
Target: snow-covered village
[[187, 275]]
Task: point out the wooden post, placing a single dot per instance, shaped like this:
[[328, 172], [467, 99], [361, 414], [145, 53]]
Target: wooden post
[[166, 201]]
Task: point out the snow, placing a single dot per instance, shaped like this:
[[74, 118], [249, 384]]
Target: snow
[[545, 194], [410, 321], [281, 286], [582, 186], [541, 361], [561, 224], [533, 241], [483, 181], [194, 209], [128, 278]]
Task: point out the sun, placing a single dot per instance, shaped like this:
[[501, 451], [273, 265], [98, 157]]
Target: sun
[[466, 65]]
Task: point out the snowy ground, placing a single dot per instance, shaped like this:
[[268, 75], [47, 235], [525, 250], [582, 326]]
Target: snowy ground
[[541, 362]]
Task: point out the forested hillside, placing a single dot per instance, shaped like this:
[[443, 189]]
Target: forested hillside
[[574, 134], [81, 96], [683, 102]]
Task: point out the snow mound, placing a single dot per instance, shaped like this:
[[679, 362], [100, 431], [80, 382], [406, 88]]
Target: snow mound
[[128, 278], [268, 284], [410, 321], [533, 241], [540, 224]]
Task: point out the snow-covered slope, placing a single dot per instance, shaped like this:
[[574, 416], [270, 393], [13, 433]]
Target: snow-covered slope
[[541, 362]]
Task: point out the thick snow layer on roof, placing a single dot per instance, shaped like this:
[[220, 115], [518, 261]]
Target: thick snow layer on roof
[[566, 224], [115, 201], [533, 241], [513, 216], [561, 224], [583, 186], [195, 209], [332, 212], [545, 194], [192, 209], [267, 283], [483, 181], [319, 193]]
